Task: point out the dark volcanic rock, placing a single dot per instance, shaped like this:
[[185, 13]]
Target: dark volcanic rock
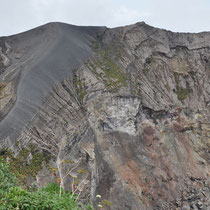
[[47, 55], [122, 113]]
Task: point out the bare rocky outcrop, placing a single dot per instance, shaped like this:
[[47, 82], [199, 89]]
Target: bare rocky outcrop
[[128, 121]]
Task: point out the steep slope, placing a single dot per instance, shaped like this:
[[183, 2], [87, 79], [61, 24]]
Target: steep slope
[[131, 123], [39, 59]]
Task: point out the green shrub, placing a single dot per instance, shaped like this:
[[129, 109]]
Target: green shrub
[[7, 179], [20, 168], [13, 196]]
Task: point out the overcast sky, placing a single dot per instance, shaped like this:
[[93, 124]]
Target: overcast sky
[[176, 15]]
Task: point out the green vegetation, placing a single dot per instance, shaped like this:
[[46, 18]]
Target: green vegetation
[[13, 196], [94, 45], [111, 74], [69, 91], [66, 122], [115, 50], [182, 93], [167, 87], [2, 86], [106, 202], [7, 179], [81, 171], [20, 167], [137, 90], [103, 202], [80, 89], [145, 70], [105, 67], [136, 86]]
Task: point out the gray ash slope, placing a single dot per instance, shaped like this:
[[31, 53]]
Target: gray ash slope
[[133, 119], [43, 57]]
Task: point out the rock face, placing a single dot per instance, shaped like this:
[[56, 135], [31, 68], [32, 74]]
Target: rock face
[[123, 113]]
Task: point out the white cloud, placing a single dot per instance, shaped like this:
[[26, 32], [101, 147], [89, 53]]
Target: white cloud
[[124, 16], [179, 15]]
